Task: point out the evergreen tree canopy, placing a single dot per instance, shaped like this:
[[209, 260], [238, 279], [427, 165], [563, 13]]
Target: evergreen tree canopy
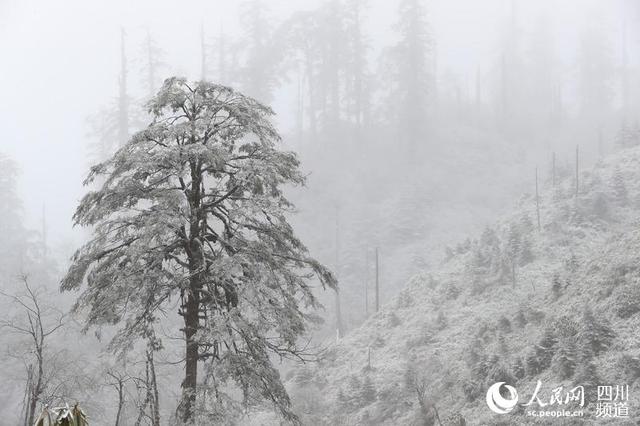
[[192, 210]]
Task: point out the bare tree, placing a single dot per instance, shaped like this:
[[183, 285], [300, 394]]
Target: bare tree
[[118, 379], [149, 407], [37, 322], [425, 389]]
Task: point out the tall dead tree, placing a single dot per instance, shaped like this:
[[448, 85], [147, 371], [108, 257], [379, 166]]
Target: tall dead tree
[[537, 200], [366, 283], [153, 54], [222, 69], [339, 324], [150, 407], [151, 71], [123, 97], [377, 281], [37, 322], [118, 380], [44, 232], [203, 54], [577, 169], [553, 169]]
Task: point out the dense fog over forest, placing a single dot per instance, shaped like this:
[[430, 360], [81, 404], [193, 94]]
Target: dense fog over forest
[[317, 212]]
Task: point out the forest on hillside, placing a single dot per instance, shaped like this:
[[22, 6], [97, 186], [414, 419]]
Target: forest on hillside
[[208, 211]]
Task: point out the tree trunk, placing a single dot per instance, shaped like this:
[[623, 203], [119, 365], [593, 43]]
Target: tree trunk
[[155, 406], [339, 326], [577, 175], [553, 169], [120, 402], [537, 201], [366, 283], [28, 414], [191, 362], [312, 96], [192, 305], [123, 100], [377, 282], [37, 387]]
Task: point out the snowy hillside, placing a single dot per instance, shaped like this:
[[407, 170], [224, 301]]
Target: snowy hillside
[[516, 304]]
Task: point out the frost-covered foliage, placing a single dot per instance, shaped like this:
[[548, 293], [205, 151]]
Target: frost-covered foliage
[[565, 313], [192, 212], [62, 416]]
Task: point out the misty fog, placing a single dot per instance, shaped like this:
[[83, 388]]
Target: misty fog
[[418, 124]]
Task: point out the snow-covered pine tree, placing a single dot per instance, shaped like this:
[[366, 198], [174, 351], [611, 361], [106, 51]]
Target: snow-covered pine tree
[[518, 368], [595, 336], [109, 127], [546, 347], [513, 241], [192, 209], [628, 136], [618, 187], [354, 393], [556, 286], [587, 375], [259, 73], [411, 66], [368, 392], [564, 361]]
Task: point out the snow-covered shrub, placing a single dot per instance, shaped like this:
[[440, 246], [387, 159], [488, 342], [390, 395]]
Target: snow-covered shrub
[[478, 286], [564, 360], [556, 286], [404, 300], [627, 301], [539, 358], [546, 347], [566, 327], [485, 332], [498, 372], [368, 393], [587, 376], [526, 252], [599, 206], [464, 247], [518, 368], [452, 291], [471, 390], [441, 321], [504, 325], [480, 368], [596, 335], [526, 224], [393, 320], [425, 336], [526, 314], [628, 136], [629, 366], [378, 342], [520, 318], [532, 363], [455, 419], [448, 254], [619, 188]]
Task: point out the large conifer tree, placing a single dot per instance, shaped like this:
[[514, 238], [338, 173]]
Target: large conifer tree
[[192, 210]]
